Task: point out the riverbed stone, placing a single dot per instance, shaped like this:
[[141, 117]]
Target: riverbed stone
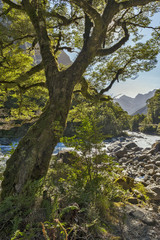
[[120, 153], [131, 145], [157, 157], [150, 166], [143, 157], [140, 224], [156, 147], [157, 163], [133, 200], [153, 191]]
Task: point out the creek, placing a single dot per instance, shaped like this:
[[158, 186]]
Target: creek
[[141, 139]]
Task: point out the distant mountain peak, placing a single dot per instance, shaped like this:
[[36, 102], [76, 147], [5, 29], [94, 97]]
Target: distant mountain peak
[[132, 105]]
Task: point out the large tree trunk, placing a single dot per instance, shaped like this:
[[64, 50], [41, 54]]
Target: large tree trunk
[[31, 158]]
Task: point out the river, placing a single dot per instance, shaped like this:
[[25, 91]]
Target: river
[[141, 139]]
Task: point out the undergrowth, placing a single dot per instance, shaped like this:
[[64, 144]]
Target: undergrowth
[[76, 200]]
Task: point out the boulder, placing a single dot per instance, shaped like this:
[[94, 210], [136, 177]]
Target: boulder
[[153, 191], [120, 153], [125, 182], [133, 200], [66, 156], [150, 166], [139, 224], [143, 157], [131, 145], [115, 147], [156, 147], [157, 163]]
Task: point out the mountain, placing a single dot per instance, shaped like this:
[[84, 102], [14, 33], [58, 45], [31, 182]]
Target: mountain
[[142, 110], [63, 58], [135, 105]]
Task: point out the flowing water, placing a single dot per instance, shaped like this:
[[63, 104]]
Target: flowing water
[[141, 139]]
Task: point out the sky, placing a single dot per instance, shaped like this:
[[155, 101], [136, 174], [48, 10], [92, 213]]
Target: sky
[[146, 81]]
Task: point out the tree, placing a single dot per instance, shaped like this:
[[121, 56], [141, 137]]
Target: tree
[[153, 105], [135, 121], [98, 29]]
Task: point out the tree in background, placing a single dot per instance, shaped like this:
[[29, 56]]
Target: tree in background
[[135, 122], [151, 122], [98, 30], [153, 105]]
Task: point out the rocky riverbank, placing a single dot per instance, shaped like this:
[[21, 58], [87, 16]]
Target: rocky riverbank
[[143, 165], [135, 220]]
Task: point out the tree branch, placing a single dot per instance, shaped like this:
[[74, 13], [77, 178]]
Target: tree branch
[[26, 88], [25, 76], [143, 26], [6, 11], [12, 4], [17, 39], [65, 20], [88, 26], [93, 97], [120, 71], [29, 73], [107, 51], [23, 88], [38, 20], [134, 3], [89, 10]]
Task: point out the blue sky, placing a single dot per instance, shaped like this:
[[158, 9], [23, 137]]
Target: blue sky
[[146, 81]]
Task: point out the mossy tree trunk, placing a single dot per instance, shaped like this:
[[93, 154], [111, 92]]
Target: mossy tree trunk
[[31, 158]]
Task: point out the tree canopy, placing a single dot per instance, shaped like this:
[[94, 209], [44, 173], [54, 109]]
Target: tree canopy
[[82, 27], [98, 31]]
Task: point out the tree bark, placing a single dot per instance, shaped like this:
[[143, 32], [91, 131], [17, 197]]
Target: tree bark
[[31, 158]]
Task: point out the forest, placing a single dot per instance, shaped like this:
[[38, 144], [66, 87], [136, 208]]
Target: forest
[[78, 194]]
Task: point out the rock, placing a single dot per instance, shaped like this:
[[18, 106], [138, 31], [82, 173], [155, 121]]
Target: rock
[[137, 149], [156, 176], [142, 157], [157, 163], [131, 145], [140, 224], [126, 182], [151, 172], [157, 158], [133, 200], [123, 159], [120, 153], [115, 147], [156, 147], [66, 156], [153, 191], [150, 166], [141, 164]]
